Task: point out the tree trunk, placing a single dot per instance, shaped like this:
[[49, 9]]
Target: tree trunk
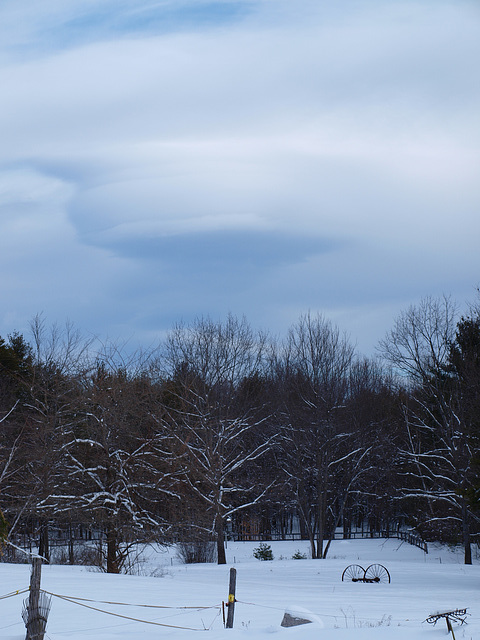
[[71, 546], [303, 529], [319, 553], [313, 547], [112, 550], [221, 556], [309, 530], [347, 526], [340, 516], [466, 534], [320, 518], [44, 546]]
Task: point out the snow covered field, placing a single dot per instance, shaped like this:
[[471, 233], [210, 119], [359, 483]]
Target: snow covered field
[[420, 585]]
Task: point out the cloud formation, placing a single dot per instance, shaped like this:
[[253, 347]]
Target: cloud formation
[[161, 160]]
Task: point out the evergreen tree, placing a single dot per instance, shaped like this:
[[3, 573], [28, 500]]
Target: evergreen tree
[[464, 367]]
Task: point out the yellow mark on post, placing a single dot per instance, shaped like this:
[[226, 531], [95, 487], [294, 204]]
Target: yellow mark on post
[[231, 598]]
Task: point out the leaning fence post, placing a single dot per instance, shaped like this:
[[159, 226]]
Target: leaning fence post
[[36, 608], [231, 598], [449, 627]]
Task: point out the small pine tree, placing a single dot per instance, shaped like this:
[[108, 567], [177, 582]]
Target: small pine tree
[[263, 552]]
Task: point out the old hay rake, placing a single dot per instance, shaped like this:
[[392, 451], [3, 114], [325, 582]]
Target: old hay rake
[[373, 573]]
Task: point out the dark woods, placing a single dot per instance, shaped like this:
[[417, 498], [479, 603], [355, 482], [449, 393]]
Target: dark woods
[[224, 433]]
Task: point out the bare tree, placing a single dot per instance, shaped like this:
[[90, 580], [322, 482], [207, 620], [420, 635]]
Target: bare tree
[[418, 345], [315, 366], [437, 453], [119, 469], [373, 418], [218, 432]]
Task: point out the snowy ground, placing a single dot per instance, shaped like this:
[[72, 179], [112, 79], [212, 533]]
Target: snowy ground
[[420, 585]]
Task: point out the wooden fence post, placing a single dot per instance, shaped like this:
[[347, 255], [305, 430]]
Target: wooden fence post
[[36, 608], [231, 598]]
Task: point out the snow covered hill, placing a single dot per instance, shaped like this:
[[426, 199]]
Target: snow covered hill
[[420, 585]]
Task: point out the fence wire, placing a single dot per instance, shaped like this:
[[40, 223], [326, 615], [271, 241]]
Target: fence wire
[[82, 603]]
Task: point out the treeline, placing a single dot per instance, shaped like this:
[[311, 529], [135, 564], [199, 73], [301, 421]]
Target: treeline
[[221, 426]]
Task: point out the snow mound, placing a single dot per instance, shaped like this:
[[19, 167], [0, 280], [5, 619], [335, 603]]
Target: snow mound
[[303, 615]]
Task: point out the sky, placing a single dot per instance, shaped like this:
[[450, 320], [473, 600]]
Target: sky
[[162, 160]]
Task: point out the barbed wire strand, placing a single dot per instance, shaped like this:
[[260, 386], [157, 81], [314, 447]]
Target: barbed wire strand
[[217, 615], [119, 615], [14, 593], [130, 604], [59, 633], [14, 624], [324, 615], [265, 606]]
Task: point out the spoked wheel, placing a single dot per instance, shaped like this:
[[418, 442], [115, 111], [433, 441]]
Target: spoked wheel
[[353, 572], [377, 573]]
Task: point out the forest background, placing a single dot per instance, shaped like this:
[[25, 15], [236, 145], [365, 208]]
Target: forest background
[[222, 430]]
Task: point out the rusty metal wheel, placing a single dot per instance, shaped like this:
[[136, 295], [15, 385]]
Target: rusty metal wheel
[[376, 573], [353, 572]]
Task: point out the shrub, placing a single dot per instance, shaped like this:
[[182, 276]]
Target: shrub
[[263, 552], [298, 555], [196, 551]]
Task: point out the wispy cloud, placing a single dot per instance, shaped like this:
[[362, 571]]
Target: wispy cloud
[[30, 29], [181, 144]]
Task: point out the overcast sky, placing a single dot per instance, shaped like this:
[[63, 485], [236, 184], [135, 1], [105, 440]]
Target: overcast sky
[[166, 159]]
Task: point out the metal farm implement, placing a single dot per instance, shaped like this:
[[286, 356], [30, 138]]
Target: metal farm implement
[[373, 573], [458, 615]]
